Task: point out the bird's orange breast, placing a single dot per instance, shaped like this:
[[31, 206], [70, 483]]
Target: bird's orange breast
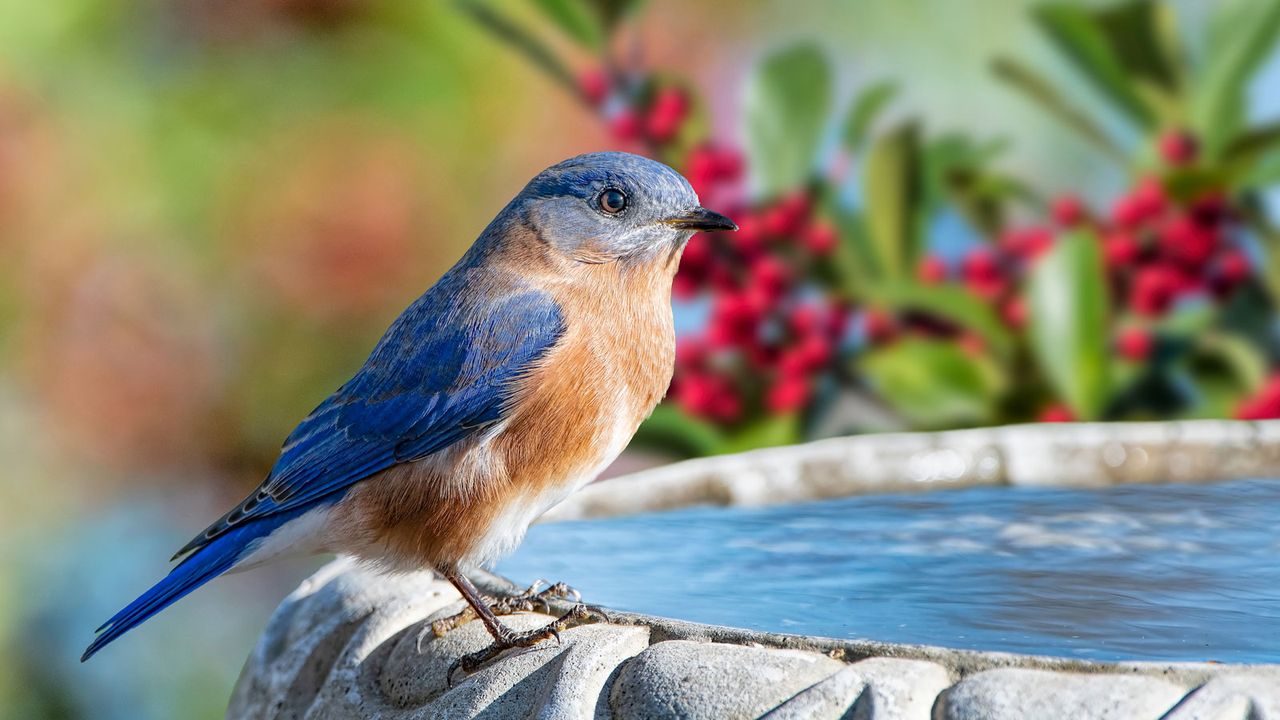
[[568, 418]]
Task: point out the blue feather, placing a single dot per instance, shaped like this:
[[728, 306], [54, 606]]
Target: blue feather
[[199, 568], [442, 372]]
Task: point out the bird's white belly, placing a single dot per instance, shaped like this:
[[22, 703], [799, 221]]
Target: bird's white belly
[[508, 528], [301, 536]]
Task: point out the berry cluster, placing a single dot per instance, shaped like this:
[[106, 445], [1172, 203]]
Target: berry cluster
[[1158, 251], [771, 334], [774, 332], [654, 115]]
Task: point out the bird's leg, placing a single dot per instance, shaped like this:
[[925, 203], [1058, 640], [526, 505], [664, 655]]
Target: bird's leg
[[534, 598], [505, 638]]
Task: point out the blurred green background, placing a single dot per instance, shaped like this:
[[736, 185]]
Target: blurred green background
[[210, 210]]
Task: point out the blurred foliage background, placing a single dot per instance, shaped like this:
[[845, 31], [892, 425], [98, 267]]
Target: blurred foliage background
[[953, 214]]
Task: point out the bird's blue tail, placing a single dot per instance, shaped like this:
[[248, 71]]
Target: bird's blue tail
[[195, 570]]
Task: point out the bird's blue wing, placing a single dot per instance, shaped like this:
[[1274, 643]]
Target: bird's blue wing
[[442, 372]]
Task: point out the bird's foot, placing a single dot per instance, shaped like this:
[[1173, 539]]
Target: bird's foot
[[534, 598], [578, 615]]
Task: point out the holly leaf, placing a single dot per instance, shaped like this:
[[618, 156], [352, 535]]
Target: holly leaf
[[1068, 303], [934, 383], [786, 105]]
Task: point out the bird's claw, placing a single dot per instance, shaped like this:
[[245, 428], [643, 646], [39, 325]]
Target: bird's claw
[[577, 615], [535, 598]]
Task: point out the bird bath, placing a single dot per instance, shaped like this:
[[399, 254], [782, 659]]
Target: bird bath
[[1138, 572], [1079, 571]]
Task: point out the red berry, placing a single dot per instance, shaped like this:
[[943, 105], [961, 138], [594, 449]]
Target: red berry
[[980, 264], [691, 352], [878, 326], [1126, 212], [593, 83], [820, 238], [982, 274], [1068, 211], [932, 270], [1187, 242], [1120, 250], [684, 286], [1263, 406], [787, 215], [735, 317], [625, 125], [1144, 202], [749, 240], [1134, 344], [770, 275], [1178, 147], [1210, 209], [788, 394], [1014, 313], [804, 319], [1234, 267], [695, 394], [729, 163], [722, 279], [1153, 290], [1056, 413], [838, 322], [816, 351], [1037, 241], [698, 253], [702, 169], [666, 114], [1150, 196]]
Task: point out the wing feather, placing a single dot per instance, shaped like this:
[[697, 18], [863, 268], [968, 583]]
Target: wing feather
[[443, 371]]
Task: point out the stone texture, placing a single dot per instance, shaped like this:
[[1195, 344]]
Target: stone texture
[[692, 680], [873, 689], [1016, 694], [1250, 694]]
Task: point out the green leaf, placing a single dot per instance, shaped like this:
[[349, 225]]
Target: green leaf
[[611, 12], [949, 302], [1224, 368], [1040, 90], [934, 383], [1242, 33], [1141, 36], [769, 431], [1247, 363], [854, 258], [955, 170], [863, 112], [786, 105], [1085, 36], [576, 19], [1248, 148], [893, 191], [521, 40], [670, 430], [1068, 302], [1242, 360], [1266, 171]]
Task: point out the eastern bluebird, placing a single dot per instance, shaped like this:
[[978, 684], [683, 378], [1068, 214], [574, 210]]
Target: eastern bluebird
[[508, 385]]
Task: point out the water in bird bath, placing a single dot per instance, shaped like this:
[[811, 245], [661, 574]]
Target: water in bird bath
[[1155, 572]]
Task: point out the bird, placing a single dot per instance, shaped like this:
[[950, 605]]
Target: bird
[[508, 385]]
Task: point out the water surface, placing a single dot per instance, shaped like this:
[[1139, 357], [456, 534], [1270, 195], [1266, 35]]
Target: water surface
[[1164, 572]]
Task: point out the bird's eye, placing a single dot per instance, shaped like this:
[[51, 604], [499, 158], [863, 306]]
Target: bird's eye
[[612, 201]]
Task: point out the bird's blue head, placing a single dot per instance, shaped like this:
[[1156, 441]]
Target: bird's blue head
[[607, 206]]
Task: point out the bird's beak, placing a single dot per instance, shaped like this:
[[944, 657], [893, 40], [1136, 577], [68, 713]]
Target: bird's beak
[[703, 220]]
